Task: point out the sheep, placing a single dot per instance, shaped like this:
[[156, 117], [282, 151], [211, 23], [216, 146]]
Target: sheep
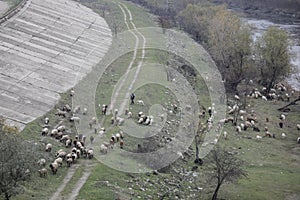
[[53, 132], [298, 140], [61, 113], [103, 148], [75, 119], [121, 144], [112, 120], [90, 153], [242, 112], [268, 134], [236, 97], [54, 167], [43, 172], [48, 147], [59, 161], [61, 154], [129, 115], [69, 161], [255, 128], [74, 157], [120, 121], [140, 114], [65, 138], [282, 117], [84, 112], [118, 136], [258, 137], [46, 120], [298, 127], [61, 128], [116, 111], [238, 129], [72, 92], [280, 124], [283, 135], [140, 102], [121, 134], [264, 98], [77, 109], [140, 120], [225, 135], [151, 120], [67, 108], [68, 143], [41, 162], [45, 131], [94, 120]]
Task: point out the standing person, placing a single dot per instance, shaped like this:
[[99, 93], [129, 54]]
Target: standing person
[[132, 96]]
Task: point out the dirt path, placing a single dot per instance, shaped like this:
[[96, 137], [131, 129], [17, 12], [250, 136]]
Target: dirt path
[[89, 165], [66, 180]]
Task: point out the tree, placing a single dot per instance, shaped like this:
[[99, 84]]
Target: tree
[[229, 43], [17, 158], [273, 56], [227, 168]]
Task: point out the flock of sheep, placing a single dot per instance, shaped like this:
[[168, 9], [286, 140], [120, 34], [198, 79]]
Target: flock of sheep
[[241, 119], [77, 144], [244, 120]]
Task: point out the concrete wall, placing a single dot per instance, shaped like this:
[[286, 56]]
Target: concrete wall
[[45, 49]]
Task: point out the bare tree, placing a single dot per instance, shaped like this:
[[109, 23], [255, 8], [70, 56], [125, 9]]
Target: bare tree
[[227, 168], [17, 160]]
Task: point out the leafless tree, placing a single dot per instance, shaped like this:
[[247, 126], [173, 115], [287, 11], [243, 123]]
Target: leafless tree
[[227, 168]]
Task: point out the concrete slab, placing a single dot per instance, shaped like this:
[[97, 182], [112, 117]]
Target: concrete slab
[[45, 50]]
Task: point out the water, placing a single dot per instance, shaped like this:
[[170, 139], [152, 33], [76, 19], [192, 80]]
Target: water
[[259, 26]]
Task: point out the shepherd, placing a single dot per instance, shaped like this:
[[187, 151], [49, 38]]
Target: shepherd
[[132, 96]]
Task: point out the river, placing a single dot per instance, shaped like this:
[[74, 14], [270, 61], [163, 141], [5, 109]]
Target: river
[[261, 25]]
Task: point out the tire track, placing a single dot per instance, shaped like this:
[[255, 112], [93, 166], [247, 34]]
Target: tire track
[[88, 169]]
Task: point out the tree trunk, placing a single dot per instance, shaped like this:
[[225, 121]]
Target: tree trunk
[[7, 196], [216, 192]]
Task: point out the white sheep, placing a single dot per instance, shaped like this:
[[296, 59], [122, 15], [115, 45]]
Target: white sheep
[[61, 128], [225, 135], [298, 127], [48, 147], [120, 121], [59, 161], [76, 109], [84, 112], [46, 120], [42, 162], [75, 119], [298, 140], [69, 161], [282, 117], [68, 143], [258, 137], [103, 148], [264, 98], [140, 102], [129, 115], [236, 97], [90, 153], [238, 129], [43, 172], [140, 120], [54, 167], [283, 135], [242, 112], [45, 131], [53, 132]]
